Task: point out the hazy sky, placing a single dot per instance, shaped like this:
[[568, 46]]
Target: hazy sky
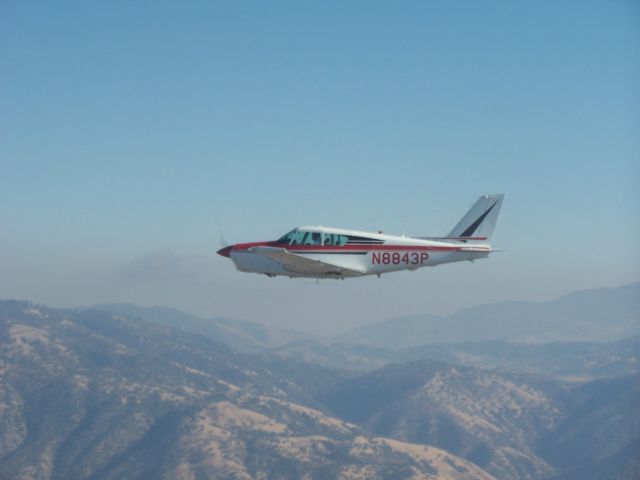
[[132, 134]]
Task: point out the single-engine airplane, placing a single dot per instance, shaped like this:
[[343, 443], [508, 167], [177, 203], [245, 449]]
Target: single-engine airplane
[[323, 252]]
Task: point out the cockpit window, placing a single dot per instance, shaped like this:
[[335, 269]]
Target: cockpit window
[[307, 238], [287, 237]]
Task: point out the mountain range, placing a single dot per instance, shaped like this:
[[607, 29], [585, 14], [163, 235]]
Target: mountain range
[[602, 314], [119, 391], [88, 394], [598, 314]]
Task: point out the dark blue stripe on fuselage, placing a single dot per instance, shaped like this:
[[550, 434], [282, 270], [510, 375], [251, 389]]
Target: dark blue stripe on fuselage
[[322, 252]]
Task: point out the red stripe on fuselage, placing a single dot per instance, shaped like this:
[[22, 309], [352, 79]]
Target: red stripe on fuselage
[[346, 248], [247, 246], [368, 248]]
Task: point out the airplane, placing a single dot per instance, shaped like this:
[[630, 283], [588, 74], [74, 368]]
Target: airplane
[[324, 252]]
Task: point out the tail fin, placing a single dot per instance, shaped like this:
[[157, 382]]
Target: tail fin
[[480, 221]]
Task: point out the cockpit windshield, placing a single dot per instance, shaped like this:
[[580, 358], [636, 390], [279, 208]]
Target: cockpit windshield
[[286, 238]]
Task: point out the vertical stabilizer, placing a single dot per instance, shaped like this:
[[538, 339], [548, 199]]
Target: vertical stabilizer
[[480, 221]]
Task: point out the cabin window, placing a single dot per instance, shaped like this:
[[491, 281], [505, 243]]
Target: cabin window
[[334, 239], [298, 237]]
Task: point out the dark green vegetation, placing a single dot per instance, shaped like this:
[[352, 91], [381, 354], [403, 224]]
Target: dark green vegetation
[[127, 392]]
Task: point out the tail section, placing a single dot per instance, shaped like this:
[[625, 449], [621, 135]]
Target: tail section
[[480, 221]]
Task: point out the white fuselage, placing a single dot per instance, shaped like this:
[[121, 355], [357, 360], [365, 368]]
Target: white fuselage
[[362, 253]]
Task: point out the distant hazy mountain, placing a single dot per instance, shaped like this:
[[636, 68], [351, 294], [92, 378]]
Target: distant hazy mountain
[[568, 360], [90, 394], [345, 356], [240, 335], [586, 315]]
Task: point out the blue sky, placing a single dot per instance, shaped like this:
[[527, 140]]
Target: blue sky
[[132, 134]]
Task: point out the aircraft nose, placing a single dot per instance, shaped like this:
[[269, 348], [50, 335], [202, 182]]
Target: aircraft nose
[[225, 252]]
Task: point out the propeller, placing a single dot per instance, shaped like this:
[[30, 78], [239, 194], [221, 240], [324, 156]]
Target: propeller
[[225, 249]]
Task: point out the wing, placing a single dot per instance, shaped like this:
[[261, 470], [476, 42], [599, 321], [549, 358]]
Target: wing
[[301, 265]]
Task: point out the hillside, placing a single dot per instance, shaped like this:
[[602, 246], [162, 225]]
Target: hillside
[[488, 418], [95, 395], [515, 426]]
